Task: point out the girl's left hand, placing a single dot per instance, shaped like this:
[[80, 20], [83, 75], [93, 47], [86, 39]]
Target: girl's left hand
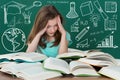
[[60, 26]]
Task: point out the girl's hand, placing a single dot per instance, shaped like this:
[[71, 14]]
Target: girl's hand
[[42, 31], [60, 26]]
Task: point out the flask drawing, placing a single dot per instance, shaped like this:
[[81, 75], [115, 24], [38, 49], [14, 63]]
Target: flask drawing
[[82, 33], [72, 13]]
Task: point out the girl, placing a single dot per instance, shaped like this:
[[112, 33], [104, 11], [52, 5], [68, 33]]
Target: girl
[[48, 35]]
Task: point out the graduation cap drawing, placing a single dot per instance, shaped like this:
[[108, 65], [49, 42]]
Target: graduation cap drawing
[[13, 8]]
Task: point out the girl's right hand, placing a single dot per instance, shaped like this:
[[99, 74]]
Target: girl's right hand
[[42, 31]]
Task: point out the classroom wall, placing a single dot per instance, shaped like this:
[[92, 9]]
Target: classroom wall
[[92, 24]]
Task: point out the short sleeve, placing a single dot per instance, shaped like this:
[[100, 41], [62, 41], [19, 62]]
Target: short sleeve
[[68, 36]]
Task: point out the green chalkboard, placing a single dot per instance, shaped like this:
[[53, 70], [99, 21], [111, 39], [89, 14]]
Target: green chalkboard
[[92, 24]]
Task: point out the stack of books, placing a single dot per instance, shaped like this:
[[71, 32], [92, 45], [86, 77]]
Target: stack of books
[[34, 66]]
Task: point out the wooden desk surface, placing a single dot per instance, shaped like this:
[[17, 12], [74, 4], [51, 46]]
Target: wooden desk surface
[[81, 78], [4, 76]]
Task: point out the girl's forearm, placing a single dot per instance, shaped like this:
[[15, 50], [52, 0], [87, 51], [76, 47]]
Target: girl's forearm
[[33, 45], [63, 44]]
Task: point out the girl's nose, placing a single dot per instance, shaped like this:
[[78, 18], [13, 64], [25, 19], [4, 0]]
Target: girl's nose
[[52, 29]]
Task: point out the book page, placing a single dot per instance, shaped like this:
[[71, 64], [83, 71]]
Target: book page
[[74, 50], [101, 56], [104, 58], [30, 56], [74, 65], [98, 54], [7, 56], [6, 67], [2, 64], [82, 69], [37, 72], [118, 61], [71, 54], [57, 64], [111, 71], [96, 62], [90, 54], [14, 68]]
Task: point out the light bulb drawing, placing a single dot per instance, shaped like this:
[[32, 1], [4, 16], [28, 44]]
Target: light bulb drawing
[[94, 19]]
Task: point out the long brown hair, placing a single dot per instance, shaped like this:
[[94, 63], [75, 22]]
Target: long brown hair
[[46, 13]]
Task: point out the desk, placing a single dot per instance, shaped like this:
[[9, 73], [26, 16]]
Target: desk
[[4, 76], [81, 78]]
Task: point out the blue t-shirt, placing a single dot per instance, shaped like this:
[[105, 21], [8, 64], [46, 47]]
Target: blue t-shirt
[[53, 51]]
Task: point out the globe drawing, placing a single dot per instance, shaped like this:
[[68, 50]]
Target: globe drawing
[[13, 39]]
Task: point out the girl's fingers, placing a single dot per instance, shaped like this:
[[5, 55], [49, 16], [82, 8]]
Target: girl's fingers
[[43, 30], [59, 22], [59, 19], [61, 28]]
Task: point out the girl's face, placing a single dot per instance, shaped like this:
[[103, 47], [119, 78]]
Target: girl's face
[[52, 27]]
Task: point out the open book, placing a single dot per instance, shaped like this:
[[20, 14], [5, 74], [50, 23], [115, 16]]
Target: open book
[[29, 71], [75, 53], [111, 71], [71, 55], [100, 59], [94, 57], [74, 67], [23, 57]]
